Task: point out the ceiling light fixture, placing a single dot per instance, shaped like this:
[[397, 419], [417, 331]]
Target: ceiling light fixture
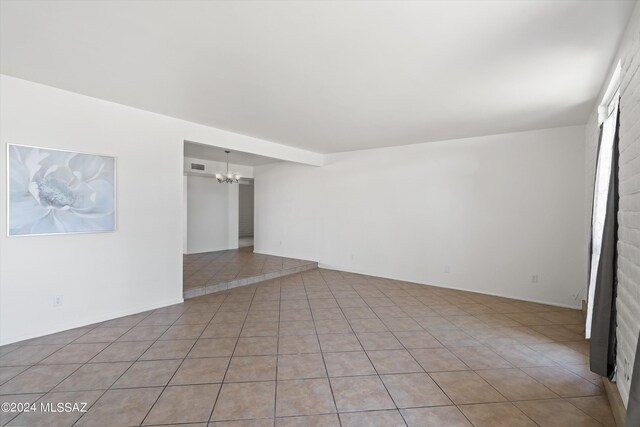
[[229, 177]]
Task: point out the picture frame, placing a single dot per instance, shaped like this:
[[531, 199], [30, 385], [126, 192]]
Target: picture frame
[[52, 191]]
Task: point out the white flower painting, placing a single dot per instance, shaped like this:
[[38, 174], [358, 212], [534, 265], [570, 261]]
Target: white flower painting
[[56, 192]]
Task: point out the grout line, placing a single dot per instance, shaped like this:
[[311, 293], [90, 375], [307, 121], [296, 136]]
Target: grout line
[[138, 359], [365, 351], [471, 370], [379, 287], [415, 360], [275, 396], [183, 359], [75, 370], [324, 362], [51, 390], [222, 383]]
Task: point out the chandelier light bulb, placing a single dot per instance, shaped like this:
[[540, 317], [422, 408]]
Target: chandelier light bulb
[[229, 177]]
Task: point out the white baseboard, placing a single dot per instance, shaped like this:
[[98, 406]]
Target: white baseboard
[[555, 304], [90, 321], [615, 402]]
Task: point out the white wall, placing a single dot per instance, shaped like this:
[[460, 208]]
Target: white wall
[[492, 210], [211, 223], [185, 214], [212, 209], [101, 276], [288, 201], [628, 298]]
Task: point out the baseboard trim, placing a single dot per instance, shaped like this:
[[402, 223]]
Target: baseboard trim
[[92, 320], [615, 401], [501, 295]]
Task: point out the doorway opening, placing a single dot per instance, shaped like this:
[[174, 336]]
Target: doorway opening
[[218, 227], [245, 215]]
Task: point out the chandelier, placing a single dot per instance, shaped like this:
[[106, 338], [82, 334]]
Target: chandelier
[[229, 177]]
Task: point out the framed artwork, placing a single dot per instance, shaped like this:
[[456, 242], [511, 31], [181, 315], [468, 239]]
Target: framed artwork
[[59, 192]]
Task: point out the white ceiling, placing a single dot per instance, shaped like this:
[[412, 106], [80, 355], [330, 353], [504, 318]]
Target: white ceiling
[[326, 75], [217, 154]]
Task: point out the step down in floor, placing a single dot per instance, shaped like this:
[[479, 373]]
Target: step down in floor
[[244, 281]]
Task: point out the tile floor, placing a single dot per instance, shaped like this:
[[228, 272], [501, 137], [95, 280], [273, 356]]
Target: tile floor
[[209, 272], [244, 242], [320, 348]]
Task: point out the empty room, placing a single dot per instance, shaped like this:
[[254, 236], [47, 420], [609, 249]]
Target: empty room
[[223, 213]]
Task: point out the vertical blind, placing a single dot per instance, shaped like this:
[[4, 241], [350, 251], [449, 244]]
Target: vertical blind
[[600, 326], [600, 199]]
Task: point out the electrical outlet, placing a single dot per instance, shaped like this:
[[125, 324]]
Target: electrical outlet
[[57, 301], [535, 278]]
